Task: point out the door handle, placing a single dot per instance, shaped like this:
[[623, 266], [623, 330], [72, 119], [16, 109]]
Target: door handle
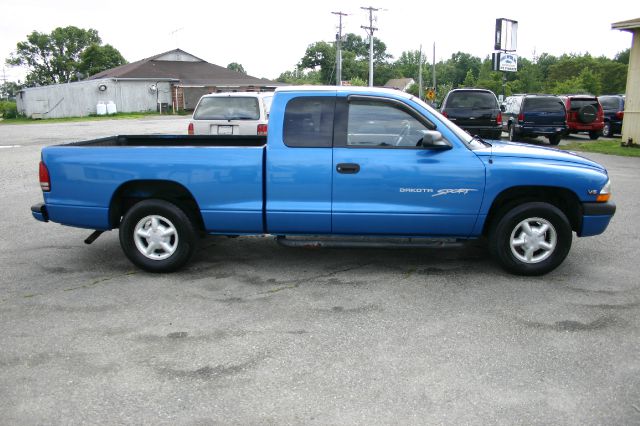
[[348, 168]]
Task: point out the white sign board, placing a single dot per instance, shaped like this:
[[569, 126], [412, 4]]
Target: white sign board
[[508, 62]]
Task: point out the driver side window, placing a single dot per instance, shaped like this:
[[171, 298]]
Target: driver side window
[[376, 124]]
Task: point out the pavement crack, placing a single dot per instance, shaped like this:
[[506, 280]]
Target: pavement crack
[[99, 281]]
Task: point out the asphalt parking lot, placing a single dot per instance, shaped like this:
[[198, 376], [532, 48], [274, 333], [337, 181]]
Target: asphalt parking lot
[[254, 333]]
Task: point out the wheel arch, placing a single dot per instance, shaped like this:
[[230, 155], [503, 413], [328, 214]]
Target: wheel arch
[[564, 199], [132, 192]]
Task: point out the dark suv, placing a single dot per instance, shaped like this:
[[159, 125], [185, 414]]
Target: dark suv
[[534, 115], [613, 109], [584, 114], [474, 110]]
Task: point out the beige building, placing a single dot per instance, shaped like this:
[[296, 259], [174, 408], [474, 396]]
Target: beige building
[[631, 123]]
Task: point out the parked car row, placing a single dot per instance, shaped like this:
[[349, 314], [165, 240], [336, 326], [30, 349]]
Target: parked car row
[[475, 110], [531, 115]]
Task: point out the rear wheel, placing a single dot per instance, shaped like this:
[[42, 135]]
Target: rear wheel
[[531, 238], [594, 135], [554, 140], [157, 236], [607, 130]]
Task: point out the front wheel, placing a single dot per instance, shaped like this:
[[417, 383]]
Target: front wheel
[[157, 236], [531, 238], [594, 135]]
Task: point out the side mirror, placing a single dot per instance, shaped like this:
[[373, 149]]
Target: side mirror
[[502, 108], [432, 139]]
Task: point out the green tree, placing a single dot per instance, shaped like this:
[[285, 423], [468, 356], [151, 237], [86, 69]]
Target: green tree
[[460, 64], [320, 56], [9, 89], [234, 66], [623, 57], [57, 57], [469, 79], [408, 65], [299, 77], [356, 81], [568, 86], [489, 79], [590, 81], [95, 59]]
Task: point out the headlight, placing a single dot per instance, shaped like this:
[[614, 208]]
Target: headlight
[[605, 192]]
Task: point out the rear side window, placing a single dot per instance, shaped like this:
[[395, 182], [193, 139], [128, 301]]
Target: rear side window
[[471, 100], [543, 105], [227, 108], [308, 122]]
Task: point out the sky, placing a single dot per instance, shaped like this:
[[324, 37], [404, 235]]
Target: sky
[[270, 37]]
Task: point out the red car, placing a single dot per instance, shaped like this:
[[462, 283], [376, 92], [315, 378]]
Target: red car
[[584, 114]]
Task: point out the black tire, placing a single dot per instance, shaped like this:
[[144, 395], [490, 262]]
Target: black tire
[[587, 114], [508, 228], [607, 130], [513, 137], [497, 135], [594, 135], [554, 140], [171, 241]]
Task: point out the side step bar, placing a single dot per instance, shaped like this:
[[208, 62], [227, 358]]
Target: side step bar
[[367, 242]]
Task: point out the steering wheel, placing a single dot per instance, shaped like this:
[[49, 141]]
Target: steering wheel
[[404, 132]]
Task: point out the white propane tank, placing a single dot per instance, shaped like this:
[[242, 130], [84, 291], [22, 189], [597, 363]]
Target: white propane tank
[[101, 108], [111, 108]]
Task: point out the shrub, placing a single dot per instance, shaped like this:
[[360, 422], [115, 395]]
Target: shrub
[[8, 109]]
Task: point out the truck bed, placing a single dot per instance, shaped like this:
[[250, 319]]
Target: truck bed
[[173, 140], [223, 174]]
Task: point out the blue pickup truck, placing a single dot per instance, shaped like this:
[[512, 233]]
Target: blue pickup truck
[[339, 164]]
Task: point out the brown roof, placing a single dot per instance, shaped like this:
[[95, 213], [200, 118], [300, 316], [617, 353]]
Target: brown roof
[[195, 73]]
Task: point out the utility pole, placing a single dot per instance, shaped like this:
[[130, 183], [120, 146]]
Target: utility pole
[[370, 30], [339, 49], [420, 74], [434, 67]]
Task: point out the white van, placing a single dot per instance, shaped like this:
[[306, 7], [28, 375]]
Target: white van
[[234, 113]]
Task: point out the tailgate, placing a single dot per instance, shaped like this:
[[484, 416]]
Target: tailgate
[[225, 127], [473, 116]]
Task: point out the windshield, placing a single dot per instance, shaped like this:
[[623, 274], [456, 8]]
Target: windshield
[[227, 108], [470, 141]]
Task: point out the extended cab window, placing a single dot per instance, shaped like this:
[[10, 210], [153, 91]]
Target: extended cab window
[[308, 122], [379, 124]]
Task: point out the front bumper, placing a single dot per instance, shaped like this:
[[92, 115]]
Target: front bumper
[[596, 218], [39, 212]]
